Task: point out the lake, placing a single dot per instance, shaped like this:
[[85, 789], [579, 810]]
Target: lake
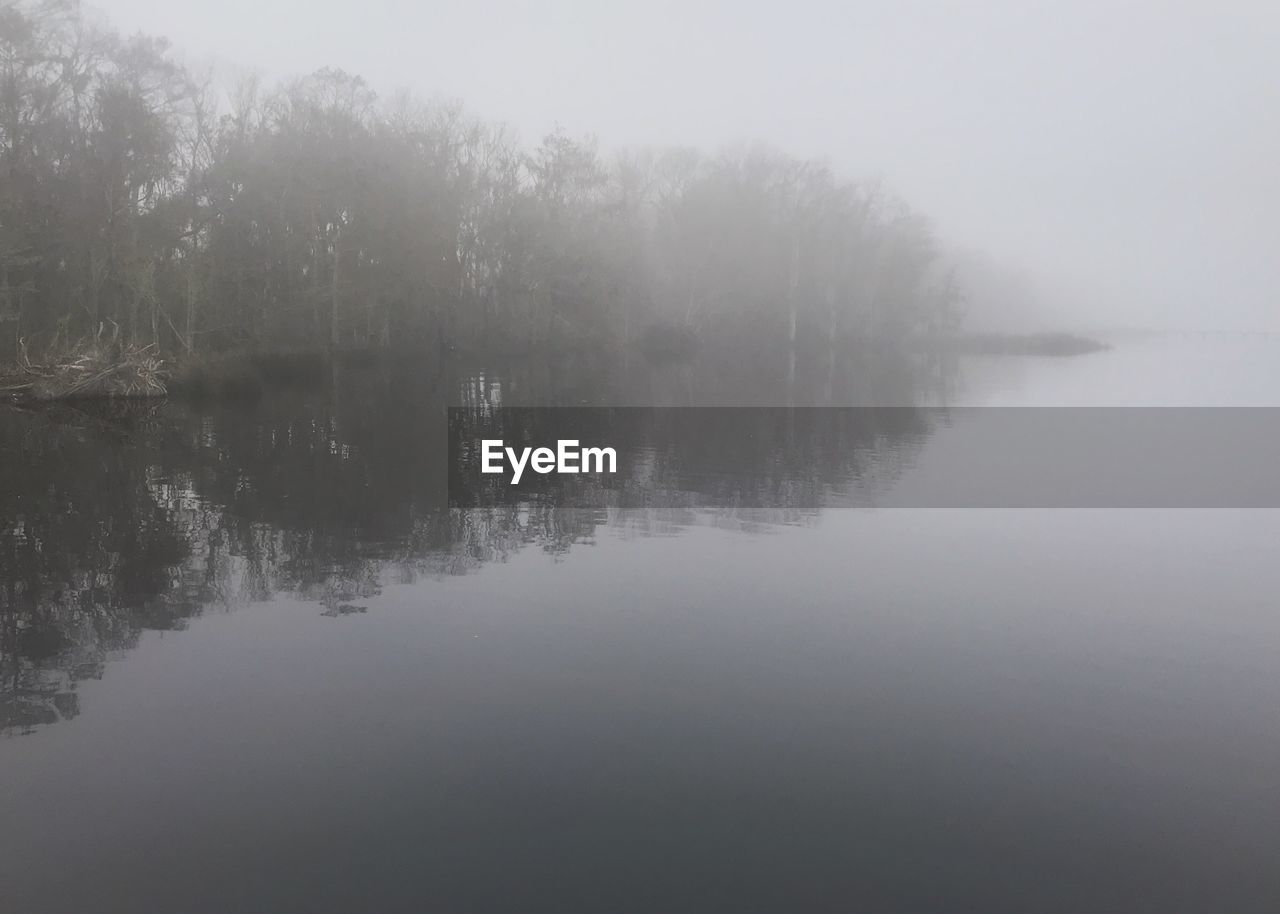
[[250, 664]]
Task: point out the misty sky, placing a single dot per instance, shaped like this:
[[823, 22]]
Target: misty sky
[[1126, 156]]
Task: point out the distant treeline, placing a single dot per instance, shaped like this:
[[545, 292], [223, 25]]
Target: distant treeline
[[136, 196]]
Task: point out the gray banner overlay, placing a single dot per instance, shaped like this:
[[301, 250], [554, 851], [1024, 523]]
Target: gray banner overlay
[[968, 457]]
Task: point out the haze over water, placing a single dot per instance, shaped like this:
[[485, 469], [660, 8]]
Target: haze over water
[[260, 677], [260, 275]]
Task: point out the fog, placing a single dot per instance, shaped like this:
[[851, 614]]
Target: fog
[[1118, 161], [912, 377]]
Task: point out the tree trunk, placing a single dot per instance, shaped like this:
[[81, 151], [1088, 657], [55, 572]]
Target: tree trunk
[[831, 342], [190, 342], [793, 288], [333, 302]]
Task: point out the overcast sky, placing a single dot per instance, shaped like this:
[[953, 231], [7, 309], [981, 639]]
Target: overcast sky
[[1125, 155]]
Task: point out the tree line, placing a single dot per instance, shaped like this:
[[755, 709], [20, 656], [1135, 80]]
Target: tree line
[[139, 197]]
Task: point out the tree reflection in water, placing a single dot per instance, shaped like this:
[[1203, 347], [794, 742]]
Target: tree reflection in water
[[129, 519]]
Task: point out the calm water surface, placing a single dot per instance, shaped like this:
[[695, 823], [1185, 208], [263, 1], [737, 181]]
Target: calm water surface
[[249, 667]]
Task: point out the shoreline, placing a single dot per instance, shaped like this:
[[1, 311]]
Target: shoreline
[[140, 375]]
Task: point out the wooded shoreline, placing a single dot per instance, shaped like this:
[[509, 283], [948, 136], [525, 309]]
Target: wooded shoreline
[[136, 372]]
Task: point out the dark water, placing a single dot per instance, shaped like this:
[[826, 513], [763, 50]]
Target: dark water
[[250, 665]]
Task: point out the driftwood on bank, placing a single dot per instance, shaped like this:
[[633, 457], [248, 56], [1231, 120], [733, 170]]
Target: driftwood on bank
[[91, 372]]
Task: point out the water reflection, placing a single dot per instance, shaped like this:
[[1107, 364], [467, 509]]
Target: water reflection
[[127, 520]]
